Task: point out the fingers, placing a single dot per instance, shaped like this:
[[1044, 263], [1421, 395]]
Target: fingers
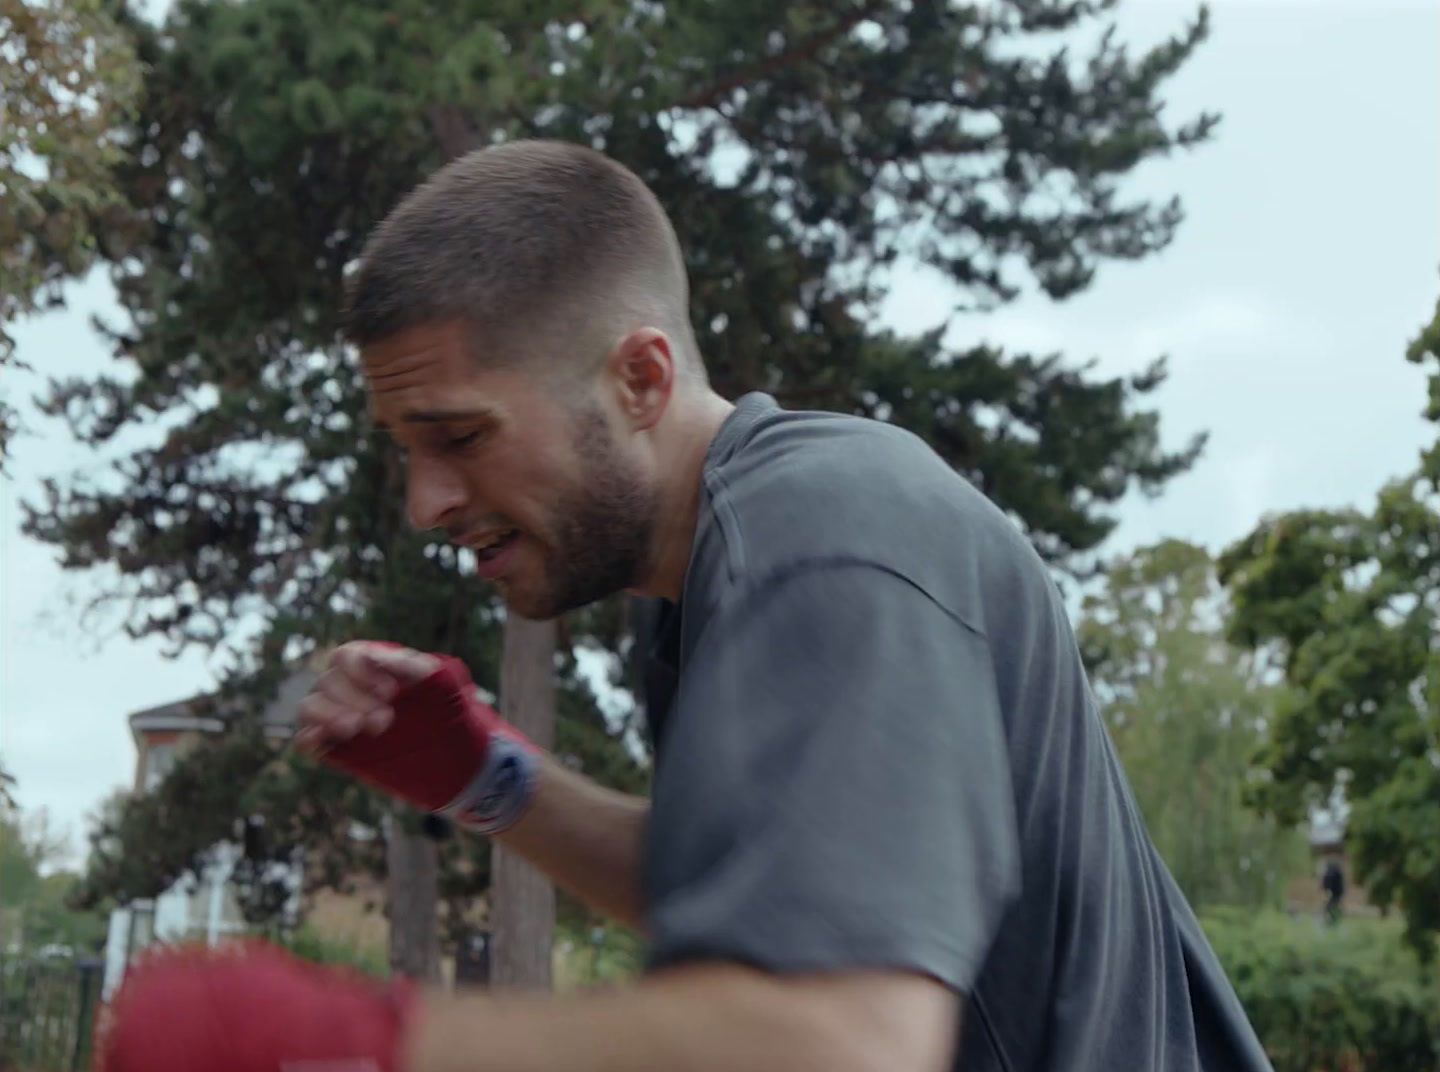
[[325, 721], [402, 665], [356, 664], [353, 695]]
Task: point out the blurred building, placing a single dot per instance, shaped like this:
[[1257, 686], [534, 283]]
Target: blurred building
[[203, 908]]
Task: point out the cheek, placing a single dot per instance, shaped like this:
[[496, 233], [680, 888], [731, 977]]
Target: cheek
[[531, 475], [510, 485]]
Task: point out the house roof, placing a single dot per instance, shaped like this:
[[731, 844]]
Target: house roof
[[278, 717]]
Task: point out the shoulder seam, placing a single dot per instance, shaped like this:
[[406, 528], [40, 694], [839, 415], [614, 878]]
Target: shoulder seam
[[844, 562]]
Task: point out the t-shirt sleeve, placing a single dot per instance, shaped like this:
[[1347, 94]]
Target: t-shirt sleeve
[[835, 788]]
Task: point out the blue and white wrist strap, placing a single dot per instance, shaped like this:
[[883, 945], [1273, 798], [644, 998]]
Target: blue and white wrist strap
[[500, 791]]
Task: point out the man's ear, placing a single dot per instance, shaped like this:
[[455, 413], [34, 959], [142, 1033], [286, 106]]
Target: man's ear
[[642, 371]]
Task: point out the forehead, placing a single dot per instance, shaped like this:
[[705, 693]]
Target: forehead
[[429, 370], [415, 359]]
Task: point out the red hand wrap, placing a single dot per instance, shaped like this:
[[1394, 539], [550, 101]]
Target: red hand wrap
[[251, 1008], [435, 744]]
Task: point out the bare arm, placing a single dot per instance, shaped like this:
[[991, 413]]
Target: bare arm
[[696, 1019], [587, 839]]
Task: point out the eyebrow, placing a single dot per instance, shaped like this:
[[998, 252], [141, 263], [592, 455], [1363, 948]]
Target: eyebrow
[[444, 416]]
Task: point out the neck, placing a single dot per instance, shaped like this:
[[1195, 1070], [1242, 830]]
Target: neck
[[697, 420]]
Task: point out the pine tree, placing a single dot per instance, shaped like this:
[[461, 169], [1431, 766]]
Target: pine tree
[[802, 150]]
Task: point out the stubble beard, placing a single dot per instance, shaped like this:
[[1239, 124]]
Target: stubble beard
[[602, 534]]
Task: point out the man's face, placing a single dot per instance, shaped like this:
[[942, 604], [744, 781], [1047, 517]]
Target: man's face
[[557, 512]]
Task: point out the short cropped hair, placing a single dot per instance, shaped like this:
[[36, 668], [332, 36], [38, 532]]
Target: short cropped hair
[[537, 247]]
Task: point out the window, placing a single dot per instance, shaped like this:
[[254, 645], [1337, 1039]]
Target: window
[[159, 759], [142, 927]]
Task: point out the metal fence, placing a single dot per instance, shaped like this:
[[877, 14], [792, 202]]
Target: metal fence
[[47, 1012]]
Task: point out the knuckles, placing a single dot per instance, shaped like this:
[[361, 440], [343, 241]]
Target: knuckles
[[311, 710]]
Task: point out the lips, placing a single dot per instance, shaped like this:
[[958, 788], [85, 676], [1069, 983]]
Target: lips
[[494, 552], [490, 542]]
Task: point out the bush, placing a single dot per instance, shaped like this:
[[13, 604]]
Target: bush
[[595, 954], [1350, 998], [306, 943]]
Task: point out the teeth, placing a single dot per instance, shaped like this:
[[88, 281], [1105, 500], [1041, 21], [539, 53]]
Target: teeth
[[498, 537]]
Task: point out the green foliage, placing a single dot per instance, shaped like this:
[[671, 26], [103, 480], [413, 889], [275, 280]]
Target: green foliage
[[1177, 697], [1353, 997], [801, 148], [143, 843], [308, 944], [67, 81], [48, 1006], [34, 896], [1348, 603], [597, 954], [47, 919], [20, 861]]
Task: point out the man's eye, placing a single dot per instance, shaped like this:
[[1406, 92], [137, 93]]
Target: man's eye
[[462, 442]]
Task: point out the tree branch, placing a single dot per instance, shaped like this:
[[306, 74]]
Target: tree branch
[[713, 94]]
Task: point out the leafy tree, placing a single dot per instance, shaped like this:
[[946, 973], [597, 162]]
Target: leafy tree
[[34, 893], [1348, 602], [801, 148], [67, 80], [1186, 711]]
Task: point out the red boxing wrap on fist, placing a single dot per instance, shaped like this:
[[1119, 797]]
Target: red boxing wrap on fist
[[446, 751], [251, 1007]]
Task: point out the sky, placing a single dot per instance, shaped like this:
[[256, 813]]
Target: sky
[[1309, 257]]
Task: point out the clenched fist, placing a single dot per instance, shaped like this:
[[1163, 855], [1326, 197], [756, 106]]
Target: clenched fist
[[411, 724], [251, 1007], [355, 694]]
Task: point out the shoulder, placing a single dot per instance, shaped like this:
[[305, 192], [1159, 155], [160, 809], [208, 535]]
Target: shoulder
[[792, 490]]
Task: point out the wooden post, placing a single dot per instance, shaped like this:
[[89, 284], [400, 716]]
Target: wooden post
[[412, 861], [522, 900]]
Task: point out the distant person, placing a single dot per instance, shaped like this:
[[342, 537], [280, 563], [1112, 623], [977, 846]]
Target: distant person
[[888, 830], [1332, 881]]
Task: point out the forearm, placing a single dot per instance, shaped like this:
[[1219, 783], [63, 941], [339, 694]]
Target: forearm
[[714, 1017], [587, 839]]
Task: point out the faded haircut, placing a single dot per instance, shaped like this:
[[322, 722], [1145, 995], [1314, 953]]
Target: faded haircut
[[542, 249]]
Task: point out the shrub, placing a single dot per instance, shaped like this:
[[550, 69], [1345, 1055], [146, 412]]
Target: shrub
[[595, 954], [308, 944], [1350, 998]]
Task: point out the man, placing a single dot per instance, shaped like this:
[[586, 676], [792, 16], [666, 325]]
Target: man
[[1332, 881], [888, 831]]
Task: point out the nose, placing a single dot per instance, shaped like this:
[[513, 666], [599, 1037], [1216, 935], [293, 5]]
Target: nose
[[433, 490]]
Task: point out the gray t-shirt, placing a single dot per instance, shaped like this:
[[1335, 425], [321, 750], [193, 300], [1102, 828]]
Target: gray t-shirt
[[877, 748]]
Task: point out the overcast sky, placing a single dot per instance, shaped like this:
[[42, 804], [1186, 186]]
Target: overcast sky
[[1309, 258]]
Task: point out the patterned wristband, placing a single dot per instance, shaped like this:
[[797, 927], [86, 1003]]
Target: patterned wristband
[[500, 791]]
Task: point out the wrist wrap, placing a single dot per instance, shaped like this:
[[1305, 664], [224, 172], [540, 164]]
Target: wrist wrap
[[446, 751]]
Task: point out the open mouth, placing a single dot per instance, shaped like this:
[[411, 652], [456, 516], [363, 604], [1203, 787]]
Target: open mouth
[[494, 545]]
